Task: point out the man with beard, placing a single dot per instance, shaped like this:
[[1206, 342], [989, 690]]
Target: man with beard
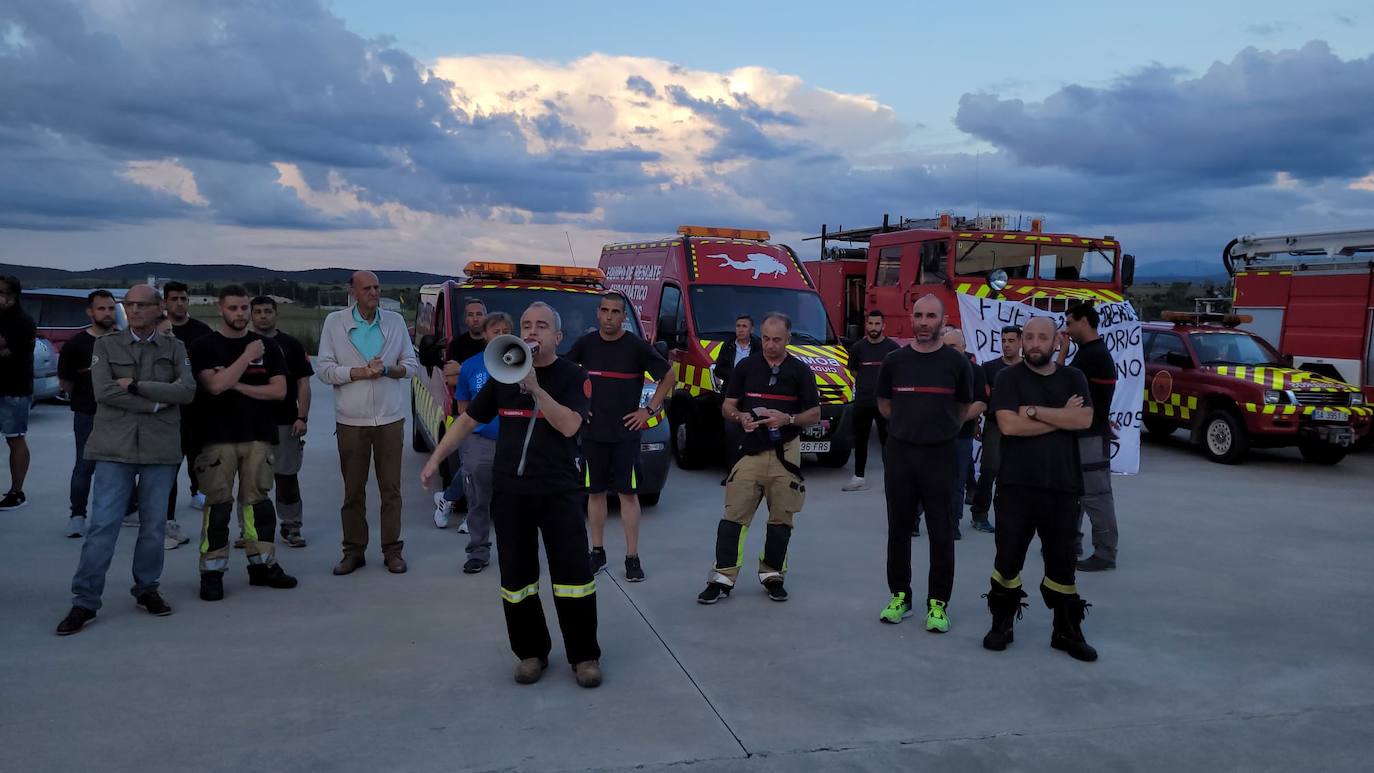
[[461, 349], [292, 417], [1094, 444], [242, 376], [74, 374], [1041, 407], [865, 358], [963, 444], [992, 436], [176, 301], [544, 497], [926, 392]]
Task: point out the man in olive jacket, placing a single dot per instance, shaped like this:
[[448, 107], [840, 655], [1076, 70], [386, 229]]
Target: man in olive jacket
[[140, 378]]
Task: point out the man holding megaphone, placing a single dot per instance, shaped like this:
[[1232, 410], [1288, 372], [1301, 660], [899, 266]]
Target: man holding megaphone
[[542, 401]]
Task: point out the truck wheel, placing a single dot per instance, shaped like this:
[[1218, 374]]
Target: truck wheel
[[1223, 437], [835, 459], [1159, 428], [687, 439], [649, 500], [1318, 452]]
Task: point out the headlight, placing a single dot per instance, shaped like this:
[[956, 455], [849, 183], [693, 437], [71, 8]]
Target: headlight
[[997, 280], [1272, 397], [1356, 399]]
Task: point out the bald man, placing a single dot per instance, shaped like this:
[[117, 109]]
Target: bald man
[[963, 443], [1041, 407], [367, 357], [925, 391]]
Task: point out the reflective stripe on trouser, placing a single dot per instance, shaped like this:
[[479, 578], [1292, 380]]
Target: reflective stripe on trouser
[[286, 466], [755, 478], [916, 476], [1022, 513], [217, 467], [519, 520], [1094, 453]]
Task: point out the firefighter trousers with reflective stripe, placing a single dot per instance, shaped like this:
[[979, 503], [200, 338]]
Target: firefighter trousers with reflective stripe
[[1022, 512], [519, 520], [217, 467], [915, 476], [754, 479]]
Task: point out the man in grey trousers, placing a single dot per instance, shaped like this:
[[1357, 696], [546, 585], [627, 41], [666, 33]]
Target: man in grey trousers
[[1094, 443], [479, 448]]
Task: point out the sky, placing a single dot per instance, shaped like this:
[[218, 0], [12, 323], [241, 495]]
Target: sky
[[425, 134]]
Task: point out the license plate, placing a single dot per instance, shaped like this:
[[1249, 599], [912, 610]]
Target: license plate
[[815, 446], [1325, 415]]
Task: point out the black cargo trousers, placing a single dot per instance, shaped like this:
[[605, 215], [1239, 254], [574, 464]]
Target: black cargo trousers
[[916, 475]]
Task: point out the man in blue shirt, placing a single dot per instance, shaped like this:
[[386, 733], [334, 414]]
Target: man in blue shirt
[[479, 449]]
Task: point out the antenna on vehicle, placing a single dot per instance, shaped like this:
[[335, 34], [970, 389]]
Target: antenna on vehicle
[[570, 249]]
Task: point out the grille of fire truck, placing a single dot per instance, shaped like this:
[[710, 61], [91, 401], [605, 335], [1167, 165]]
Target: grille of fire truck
[[1322, 398]]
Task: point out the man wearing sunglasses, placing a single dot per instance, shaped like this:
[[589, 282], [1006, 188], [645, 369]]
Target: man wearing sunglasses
[[772, 396]]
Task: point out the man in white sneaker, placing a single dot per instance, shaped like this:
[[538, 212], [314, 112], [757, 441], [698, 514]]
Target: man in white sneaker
[[865, 360], [74, 374]]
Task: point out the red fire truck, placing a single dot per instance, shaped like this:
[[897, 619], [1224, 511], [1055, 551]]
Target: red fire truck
[[1313, 296], [901, 262], [689, 289]]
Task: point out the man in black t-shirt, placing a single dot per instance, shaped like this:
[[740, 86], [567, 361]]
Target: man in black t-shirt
[[616, 362], [772, 396], [18, 336], [926, 392], [292, 416], [1095, 443], [555, 396], [74, 374], [242, 376], [963, 443], [991, 456], [176, 300], [467, 342], [865, 358], [1041, 407]]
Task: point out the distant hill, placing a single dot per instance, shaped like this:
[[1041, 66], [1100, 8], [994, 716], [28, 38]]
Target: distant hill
[[129, 273], [1180, 270]]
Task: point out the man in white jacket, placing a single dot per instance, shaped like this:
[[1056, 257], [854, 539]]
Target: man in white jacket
[[367, 356]]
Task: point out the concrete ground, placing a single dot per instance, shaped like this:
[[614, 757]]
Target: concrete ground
[[1233, 637]]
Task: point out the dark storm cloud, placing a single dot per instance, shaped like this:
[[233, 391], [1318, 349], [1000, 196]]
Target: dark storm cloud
[[740, 133], [217, 85]]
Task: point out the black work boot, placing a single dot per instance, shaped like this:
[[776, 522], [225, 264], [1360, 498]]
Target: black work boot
[[212, 586], [1005, 604], [1068, 631], [270, 575]]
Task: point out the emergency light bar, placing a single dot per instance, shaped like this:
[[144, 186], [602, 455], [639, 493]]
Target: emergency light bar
[[487, 270], [724, 233], [1199, 317]]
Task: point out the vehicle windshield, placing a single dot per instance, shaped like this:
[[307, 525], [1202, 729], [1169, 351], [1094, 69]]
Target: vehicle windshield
[[716, 307], [1232, 349], [577, 309], [1057, 262]]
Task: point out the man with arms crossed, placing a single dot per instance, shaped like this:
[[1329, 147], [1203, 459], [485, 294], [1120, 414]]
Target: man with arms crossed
[[992, 436], [74, 374], [176, 301], [865, 358]]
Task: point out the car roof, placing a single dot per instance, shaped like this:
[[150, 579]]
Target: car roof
[[1187, 328], [68, 292]]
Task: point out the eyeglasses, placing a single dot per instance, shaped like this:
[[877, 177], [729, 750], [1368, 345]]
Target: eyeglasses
[[773, 380]]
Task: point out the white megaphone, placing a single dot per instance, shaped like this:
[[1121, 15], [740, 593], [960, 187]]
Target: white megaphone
[[509, 358]]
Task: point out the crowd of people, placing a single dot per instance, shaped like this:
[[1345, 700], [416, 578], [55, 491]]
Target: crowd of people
[[540, 456]]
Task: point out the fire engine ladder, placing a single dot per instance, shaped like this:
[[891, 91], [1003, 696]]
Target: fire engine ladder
[[1331, 251]]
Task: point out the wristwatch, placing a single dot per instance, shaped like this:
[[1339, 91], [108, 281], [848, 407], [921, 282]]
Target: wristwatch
[[1030, 412], [132, 388], [791, 418]]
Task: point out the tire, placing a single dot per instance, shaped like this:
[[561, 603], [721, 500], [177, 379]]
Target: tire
[[834, 459], [688, 440], [1317, 452], [649, 500], [1223, 437], [1159, 428]]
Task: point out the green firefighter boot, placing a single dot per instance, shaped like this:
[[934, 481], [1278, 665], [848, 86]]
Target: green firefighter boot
[[898, 609], [1005, 605], [936, 620], [1068, 630]]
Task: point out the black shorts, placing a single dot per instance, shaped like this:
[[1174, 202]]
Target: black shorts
[[612, 466]]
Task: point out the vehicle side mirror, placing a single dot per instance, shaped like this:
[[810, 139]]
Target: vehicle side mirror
[[661, 347], [429, 353], [1127, 270], [1287, 360], [1178, 359], [851, 332]]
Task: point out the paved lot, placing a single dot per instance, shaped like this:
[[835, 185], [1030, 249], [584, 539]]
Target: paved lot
[[1235, 636]]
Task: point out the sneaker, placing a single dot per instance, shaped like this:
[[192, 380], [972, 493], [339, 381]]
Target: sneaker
[[270, 576], [75, 621], [197, 501], [441, 510], [598, 559], [152, 603], [715, 591], [588, 673], [463, 526], [211, 586], [174, 533], [130, 520], [170, 543], [898, 609], [775, 590], [294, 539], [238, 544], [473, 565], [13, 501], [1095, 564], [529, 670], [633, 571], [855, 483], [937, 621], [983, 525], [76, 526]]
